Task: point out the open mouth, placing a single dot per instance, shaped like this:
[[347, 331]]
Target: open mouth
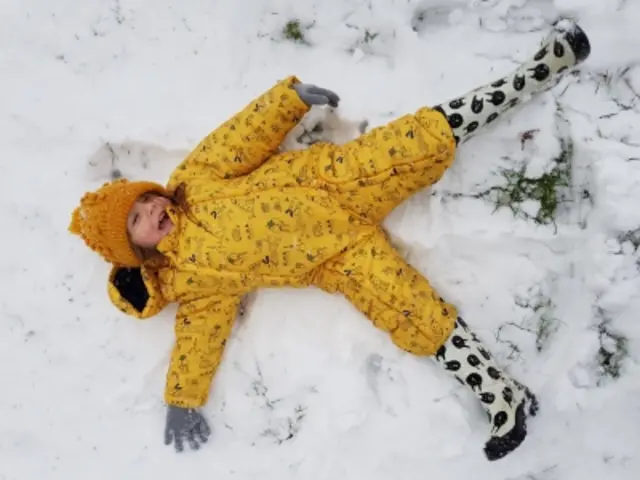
[[163, 220]]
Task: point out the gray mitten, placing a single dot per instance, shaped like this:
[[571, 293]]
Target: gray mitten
[[185, 423], [312, 95]]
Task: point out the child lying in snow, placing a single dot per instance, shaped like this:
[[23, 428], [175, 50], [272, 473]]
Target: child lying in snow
[[237, 215]]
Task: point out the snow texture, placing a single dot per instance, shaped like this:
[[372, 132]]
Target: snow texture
[[308, 388]]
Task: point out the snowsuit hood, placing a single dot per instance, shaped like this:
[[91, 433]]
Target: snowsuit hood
[[136, 291]]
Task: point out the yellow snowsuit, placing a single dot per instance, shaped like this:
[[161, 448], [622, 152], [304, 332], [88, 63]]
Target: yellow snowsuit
[[258, 218]]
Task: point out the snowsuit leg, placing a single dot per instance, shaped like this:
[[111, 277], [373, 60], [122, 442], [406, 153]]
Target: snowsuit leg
[[379, 170], [400, 301], [374, 173], [391, 293]]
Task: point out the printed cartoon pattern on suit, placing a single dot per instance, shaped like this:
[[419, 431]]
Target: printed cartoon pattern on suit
[[257, 218], [393, 294]]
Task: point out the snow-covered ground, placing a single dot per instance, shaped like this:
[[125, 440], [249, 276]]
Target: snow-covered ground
[[308, 388]]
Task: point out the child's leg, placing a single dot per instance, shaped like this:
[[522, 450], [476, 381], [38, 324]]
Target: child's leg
[[400, 301], [506, 401], [566, 46], [374, 173], [379, 170]]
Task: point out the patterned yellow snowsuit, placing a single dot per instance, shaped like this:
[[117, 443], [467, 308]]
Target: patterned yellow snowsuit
[[258, 218]]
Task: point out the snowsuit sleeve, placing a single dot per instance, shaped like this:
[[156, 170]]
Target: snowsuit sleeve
[[202, 328], [248, 139]]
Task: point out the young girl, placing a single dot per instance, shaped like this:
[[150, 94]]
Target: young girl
[[236, 216]]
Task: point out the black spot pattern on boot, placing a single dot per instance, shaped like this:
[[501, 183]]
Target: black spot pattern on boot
[[541, 72], [459, 342], [477, 104], [471, 127], [513, 102], [453, 365], [474, 380], [563, 69], [484, 353], [456, 139], [494, 373], [518, 82], [500, 419], [499, 83], [488, 398], [492, 117], [541, 54], [462, 323], [455, 120], [457, 103], [558, 49], [473, 360], [497, 97], [507, 394], [440, 354]]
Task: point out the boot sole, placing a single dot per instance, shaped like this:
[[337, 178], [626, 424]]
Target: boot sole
[[499, 447], [576, 38], [532, 400]]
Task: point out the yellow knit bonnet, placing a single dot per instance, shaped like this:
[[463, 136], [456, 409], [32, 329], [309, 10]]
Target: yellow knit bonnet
[[101, 219]]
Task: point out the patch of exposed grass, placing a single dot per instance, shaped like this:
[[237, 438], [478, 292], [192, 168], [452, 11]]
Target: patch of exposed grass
[[632, 236], [293, 31], [548, 190], [364, 42], [546, 326], [535, 198], [544, 323], [612, 353], [369, 37]]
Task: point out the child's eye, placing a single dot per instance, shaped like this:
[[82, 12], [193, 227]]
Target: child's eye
[[135, 219]]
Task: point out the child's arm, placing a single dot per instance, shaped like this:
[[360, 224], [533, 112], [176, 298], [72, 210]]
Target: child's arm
[[202, 328], [249, 138]]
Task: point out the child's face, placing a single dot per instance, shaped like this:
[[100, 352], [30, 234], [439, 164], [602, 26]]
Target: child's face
[[148, 222]]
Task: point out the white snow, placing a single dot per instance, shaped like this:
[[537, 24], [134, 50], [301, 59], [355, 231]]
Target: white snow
[[82, 384]]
